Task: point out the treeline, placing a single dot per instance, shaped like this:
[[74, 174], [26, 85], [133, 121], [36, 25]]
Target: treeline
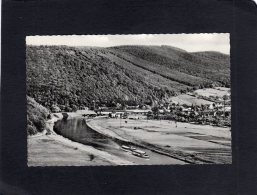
[[72, 78], [206, 66]]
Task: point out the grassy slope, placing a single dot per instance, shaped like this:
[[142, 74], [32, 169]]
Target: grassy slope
[[72, 77]]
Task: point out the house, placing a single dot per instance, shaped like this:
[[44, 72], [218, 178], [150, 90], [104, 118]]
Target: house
[[105, 113], [138, 111], [112, 115], [119, 114], [211, 106], [83, 108], [86, 112], [132, 107]]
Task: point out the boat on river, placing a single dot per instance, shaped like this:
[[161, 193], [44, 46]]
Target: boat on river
[[128, 148], [140, 153]]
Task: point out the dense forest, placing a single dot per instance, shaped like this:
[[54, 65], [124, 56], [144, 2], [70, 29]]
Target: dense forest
[[74, 77], [36, 116]]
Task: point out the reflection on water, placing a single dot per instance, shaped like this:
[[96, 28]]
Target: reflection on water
[[77, 130]]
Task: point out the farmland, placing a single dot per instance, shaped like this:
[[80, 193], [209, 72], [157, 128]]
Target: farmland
[[191, 142], [189, 100], [196, 97], [218, 91]]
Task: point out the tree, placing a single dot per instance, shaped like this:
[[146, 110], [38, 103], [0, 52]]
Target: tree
[[55, 108], [155, 111], [225, 98]]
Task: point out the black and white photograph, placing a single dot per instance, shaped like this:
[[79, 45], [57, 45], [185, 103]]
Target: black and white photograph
[[136, 99]]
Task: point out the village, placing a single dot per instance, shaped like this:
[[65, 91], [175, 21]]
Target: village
[[216, 110]]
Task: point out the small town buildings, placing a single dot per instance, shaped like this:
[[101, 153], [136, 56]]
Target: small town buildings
[[86, 112]]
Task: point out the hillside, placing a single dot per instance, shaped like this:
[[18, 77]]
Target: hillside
[[36, 116], [72, 77]]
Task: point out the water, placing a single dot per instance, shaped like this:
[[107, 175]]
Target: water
[[76, 130]]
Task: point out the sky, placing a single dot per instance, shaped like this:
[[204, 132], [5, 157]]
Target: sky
[[189, 42]]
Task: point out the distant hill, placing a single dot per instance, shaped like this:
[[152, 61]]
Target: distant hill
[[73, 77]]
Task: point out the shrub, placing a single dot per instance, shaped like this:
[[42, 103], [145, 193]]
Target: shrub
[[31, 130], [40, 124], [36, 116]]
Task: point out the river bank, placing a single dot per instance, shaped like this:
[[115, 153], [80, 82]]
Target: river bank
[[50, 149], [98, 141], [46, 150], [197, 144]]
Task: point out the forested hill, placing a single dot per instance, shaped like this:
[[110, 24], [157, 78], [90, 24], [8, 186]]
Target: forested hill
[[72, 77]]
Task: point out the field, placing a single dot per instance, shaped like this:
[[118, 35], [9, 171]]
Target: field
[[194, 143], [195, 99], [218, 91], [46, 151], [189, 100]]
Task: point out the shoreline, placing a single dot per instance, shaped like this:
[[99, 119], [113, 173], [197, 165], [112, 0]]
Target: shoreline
[[63, 144], [72, 152], [176, 151]]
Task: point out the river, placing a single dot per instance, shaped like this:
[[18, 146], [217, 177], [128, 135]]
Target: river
[[76, 130]]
